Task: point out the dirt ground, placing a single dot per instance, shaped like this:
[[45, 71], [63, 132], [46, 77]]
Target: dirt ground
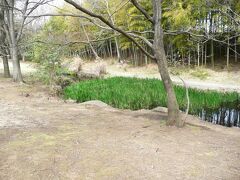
[[218, 79], [43, 137]]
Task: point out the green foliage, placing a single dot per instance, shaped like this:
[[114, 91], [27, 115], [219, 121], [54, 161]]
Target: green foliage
[[58, 25], [49, 59], [179, 15], [133, 93], [133, 20]]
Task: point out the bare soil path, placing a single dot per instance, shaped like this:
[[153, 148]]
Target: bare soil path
[[217, 80], [43, 137], [222, 80]]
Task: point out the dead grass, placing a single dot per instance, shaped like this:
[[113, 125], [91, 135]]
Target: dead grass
[[200, 73]]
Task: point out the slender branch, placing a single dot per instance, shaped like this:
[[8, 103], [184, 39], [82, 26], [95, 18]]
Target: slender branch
[[142, 10], [10, 7], [74, 42], [227, 15], [23, 21], [72, 15], [149, 44]]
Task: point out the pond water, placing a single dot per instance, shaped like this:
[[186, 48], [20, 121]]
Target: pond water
[[226, 115]]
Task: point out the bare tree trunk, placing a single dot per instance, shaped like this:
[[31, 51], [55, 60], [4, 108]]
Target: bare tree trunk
[[189, 59], [205, 58], [171, 53], [235, 49], [2, 43], [202, 53], [117, 48], [198, 49], [158, 46], [146, 60], [212, 54], [90, 44], [17, 74], [6, 67], [211, 31], [110, 46], [228, 53]]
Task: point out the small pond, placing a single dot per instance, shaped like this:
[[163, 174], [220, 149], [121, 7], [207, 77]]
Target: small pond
[[228, 114]]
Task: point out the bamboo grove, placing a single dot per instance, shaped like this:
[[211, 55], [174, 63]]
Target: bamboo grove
[[198, 33]]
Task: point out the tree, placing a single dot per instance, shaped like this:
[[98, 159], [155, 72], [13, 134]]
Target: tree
[[3, 46], [12, 39], [156, 51], [15, 21]]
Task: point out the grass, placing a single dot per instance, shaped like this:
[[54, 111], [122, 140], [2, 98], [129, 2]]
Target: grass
[[134, 93]]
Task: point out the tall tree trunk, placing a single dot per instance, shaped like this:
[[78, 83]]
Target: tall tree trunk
[[205, 55], [189, 58], [171, 53], [198, 51], [235, 49], [202, 53], [146, 60], [2, 42], [6, 66], [17, 74], [117, 48], [212, 54], [212, 46], [110, 46], [228, 53], [159, 52]]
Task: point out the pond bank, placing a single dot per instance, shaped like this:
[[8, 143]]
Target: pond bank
[[135, 94]]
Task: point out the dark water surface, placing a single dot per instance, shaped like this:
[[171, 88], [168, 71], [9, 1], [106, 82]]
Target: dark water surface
[[226, 115]]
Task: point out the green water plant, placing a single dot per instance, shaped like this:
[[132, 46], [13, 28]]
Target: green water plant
[[135, 94]]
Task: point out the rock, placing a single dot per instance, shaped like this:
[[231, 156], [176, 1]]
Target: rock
[[101, 68], [73, 65], [96, 103], [160, 109], [88, 74], [96, 71], [83, 72], [71, 101]]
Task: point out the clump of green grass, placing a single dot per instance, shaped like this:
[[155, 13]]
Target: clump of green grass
[[134, 93]]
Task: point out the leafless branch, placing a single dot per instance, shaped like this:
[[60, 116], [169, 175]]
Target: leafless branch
[[72, 15], [142, 10]]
